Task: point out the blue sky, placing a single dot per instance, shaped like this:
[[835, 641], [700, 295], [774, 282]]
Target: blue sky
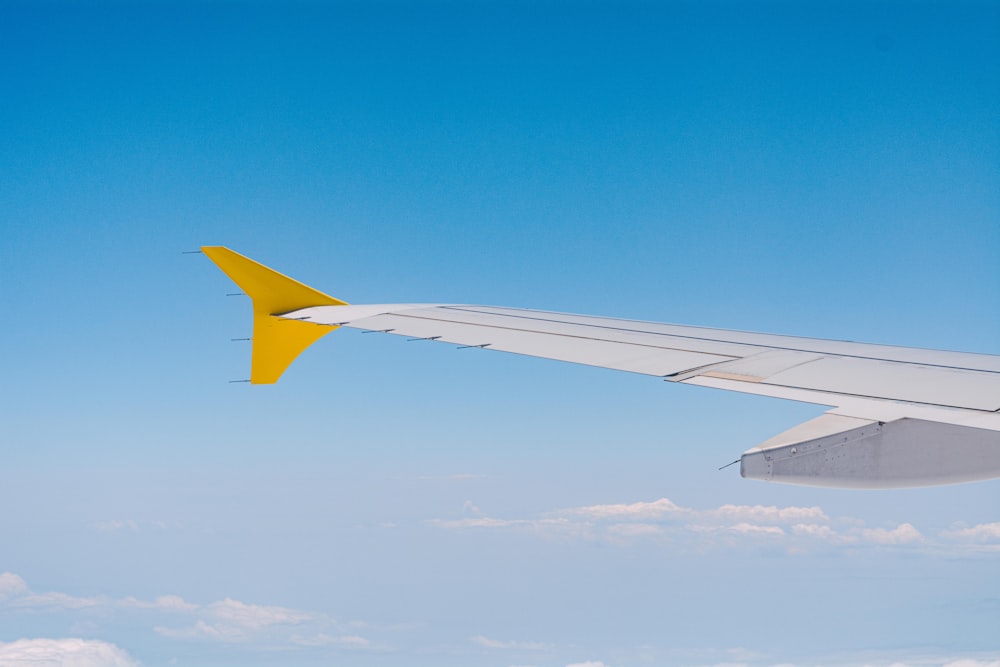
[[821, 169]]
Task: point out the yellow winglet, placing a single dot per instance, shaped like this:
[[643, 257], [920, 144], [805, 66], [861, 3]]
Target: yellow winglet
[[276, 341]]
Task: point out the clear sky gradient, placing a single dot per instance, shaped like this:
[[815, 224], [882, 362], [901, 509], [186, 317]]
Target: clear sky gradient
[[825, 169]]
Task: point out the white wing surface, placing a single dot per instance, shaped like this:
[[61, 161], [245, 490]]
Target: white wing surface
[[900, 416]]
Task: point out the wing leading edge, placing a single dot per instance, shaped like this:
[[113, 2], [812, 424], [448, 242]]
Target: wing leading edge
[[899, 416]]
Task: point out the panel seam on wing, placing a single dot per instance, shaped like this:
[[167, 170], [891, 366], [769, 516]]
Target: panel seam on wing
[[717, 340]]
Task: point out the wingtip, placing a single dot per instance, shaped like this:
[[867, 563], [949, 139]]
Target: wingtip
[[277, 342]]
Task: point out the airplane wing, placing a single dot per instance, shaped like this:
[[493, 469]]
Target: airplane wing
[[899, 417]]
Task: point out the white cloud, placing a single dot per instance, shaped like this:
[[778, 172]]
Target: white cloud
[[14, 592], [63, 653], [498, 644], [983, 532], [11, 585], [769, 513], [234, 621], [253, 616], [492, 522], [200, 630], [487, 642], [658, 519], [226, 620], [904, 533], [164, 603], [643, 510], [589, 663], [796, 529], [753, 529], [173, 603]]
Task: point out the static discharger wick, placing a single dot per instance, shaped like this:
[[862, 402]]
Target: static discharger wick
[[729, 464]]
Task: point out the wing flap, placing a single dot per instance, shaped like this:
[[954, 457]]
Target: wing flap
[[956, 388], [761, 366]]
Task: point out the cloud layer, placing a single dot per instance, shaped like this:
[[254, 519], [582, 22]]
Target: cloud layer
[[797, 529], [654, 524], [63, 653], [229, 621]]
